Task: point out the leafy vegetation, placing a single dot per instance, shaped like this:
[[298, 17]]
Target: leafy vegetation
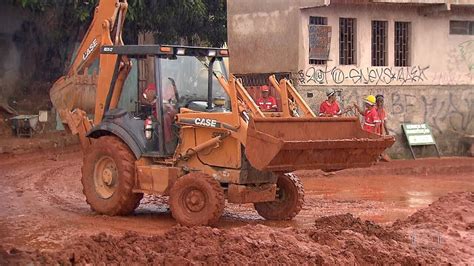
[[55, 27]]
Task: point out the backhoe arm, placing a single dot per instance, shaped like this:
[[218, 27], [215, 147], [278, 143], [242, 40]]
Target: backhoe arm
[[71, 94], [109, 16]]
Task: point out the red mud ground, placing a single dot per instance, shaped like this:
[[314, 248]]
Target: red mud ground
[[44, 218]]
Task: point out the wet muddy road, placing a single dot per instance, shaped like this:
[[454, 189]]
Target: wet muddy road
[[42, 205]]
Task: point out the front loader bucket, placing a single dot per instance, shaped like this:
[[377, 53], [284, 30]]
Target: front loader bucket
[[289, 144]]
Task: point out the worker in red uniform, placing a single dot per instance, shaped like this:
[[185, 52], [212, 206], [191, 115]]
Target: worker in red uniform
[[383, 129], [330, 107], [371, 117], [149, 95], [169, 110], [382, 114], [267, 103]]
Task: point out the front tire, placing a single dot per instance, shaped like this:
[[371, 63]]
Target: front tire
[[196, 199], [290, 199], [108, 177]]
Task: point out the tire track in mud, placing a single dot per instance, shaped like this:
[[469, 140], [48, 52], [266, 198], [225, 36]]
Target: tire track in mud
[[48, 184], [35, 215]]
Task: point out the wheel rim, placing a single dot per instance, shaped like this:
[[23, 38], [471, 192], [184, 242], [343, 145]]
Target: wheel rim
[[105, 177], [193, 200], [281, 195]]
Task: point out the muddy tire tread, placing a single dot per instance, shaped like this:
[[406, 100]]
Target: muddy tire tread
[[217, 191], [263, 210], [129, 201]]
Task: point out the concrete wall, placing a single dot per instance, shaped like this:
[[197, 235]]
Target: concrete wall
[[264, 34], [449, 111]]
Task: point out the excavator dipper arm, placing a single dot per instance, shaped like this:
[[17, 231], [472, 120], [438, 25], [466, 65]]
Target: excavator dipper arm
[[67, 93], [108, 19]]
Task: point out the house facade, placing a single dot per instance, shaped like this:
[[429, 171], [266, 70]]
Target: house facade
[[419, 54]]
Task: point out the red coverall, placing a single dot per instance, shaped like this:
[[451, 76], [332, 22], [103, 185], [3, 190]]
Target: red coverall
[[168, 111], [371, 121], [329, 109], [267, 104], [383, 118]]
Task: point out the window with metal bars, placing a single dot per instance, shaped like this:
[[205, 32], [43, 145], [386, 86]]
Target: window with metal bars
[[317, 21], [459, 27], [379, 43], [402, 43], [347, 41]]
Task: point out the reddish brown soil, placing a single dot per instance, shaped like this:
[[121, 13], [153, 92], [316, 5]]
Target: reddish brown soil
[[340, 239], [39, 142], [43, 208]]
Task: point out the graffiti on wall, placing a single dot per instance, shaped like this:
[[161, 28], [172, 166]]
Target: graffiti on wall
[[461, 60], [362, 76], [466, 51], [452, 78], [447, 112]]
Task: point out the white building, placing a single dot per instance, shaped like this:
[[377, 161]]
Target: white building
[[419, 54]]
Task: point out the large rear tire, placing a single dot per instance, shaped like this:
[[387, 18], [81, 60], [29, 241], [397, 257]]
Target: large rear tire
[[196, 199], [108, 177], [290, 199]]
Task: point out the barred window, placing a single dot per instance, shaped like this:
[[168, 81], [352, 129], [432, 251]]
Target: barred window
[[347, 41], [312, 22], [458, 27], [379, 43], [402, 43]]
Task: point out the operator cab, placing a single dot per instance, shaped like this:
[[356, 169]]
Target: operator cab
[[181, 77]]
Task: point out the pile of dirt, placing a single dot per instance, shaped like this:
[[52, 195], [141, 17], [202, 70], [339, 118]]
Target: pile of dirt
[[340, 239], [337, 223], [453, 211], [446, 225]]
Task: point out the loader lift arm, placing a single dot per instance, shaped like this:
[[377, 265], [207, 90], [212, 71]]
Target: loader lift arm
[[292, 102]]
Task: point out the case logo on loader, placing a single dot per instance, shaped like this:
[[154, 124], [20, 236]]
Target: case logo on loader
[[89, 50], [205, 122]]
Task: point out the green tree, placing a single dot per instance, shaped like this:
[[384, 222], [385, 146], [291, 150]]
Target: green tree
[[60, 25]]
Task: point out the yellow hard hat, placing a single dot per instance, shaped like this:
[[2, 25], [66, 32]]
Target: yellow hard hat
[[370, 100]]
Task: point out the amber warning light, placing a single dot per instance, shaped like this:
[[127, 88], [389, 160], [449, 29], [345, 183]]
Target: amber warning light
[[165, 49]]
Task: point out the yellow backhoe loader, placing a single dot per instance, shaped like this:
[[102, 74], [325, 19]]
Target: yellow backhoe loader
[[201, 139]]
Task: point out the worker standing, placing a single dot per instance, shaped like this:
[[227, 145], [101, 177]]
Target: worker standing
[[267, 103], [383, 129], [371, 117], [330, 107], [382, 114]]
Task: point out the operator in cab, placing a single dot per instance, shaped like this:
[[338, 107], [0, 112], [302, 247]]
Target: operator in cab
[[267, 103], [330, 107], [370, 114], [149, 96], [169, 110]]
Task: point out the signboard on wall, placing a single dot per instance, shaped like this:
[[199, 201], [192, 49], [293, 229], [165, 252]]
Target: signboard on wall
[[319, 42], [418, 135]]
